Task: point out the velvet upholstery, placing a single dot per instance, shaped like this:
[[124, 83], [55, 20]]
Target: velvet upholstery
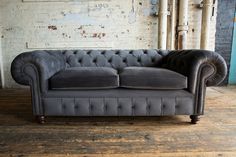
[[151, 78], [195, 69], [118, 102], [203, 68], [85, 78]]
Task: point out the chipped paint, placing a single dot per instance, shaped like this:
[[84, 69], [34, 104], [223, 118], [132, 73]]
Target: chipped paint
[[52, 27], [9, 29]]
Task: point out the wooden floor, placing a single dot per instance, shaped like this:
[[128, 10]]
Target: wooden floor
[[214, 135]]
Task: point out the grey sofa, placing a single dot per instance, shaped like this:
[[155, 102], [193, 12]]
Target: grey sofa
[[118, 82]]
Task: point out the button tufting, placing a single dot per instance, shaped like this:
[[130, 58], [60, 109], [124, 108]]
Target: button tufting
[[119, 107], [88, 52], [116, 59], [76, 107]]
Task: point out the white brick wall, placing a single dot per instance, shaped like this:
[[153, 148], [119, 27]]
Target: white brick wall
[[104, 24]]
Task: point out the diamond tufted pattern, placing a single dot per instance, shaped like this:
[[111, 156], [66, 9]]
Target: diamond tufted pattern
[[129, 106], [116, 59]]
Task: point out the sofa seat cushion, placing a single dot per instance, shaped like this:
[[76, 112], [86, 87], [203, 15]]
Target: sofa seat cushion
[[151, 78], [85, 78]]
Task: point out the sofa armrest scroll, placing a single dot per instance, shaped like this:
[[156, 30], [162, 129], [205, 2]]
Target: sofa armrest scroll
[[200, 66], [44, 64]]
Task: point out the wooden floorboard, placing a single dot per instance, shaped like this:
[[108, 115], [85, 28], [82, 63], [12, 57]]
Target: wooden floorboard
[[214, 135]]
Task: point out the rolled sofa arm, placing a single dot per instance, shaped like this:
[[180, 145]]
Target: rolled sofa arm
[[200, 66], [39, 65]]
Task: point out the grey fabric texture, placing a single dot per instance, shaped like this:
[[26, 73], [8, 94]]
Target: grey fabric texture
[[117, 92], [151, 78], [44, 64], [190, 63], [85, 78], [118, 102], [201, 68], [117, 59]]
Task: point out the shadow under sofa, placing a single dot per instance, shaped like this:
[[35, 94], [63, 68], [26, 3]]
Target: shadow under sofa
[[118, 82]]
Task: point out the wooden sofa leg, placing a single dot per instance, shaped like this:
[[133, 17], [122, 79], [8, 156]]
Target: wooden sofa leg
[[40, 119], [194, 119]]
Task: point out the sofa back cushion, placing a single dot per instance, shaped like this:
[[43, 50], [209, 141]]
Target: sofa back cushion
[[117, 59]]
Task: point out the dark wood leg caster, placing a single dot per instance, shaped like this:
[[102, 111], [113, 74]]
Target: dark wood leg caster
[[194, 119], [40, 119]]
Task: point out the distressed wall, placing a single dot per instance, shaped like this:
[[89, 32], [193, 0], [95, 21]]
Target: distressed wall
[[97, 24], [195, 15]]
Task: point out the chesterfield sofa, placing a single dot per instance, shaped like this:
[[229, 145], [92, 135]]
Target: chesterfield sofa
[[118, 82]]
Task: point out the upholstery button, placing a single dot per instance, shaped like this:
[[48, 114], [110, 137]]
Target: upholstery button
[[139, 59], [145, 52], [76, 107], [95, 60], [117, 52], [80, 60], [176, 106], [164, 106], [91, 107], [119, 107], [153, 59], [75, 52], [64, 106], [124, 60], [103, 52], [110, 60], [130, 52], [88, 52], [133, 107]]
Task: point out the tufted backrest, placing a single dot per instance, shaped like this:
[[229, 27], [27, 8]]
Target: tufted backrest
[[117, 59]]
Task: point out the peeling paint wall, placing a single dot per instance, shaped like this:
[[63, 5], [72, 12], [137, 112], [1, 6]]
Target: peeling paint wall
[[83, 24]]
